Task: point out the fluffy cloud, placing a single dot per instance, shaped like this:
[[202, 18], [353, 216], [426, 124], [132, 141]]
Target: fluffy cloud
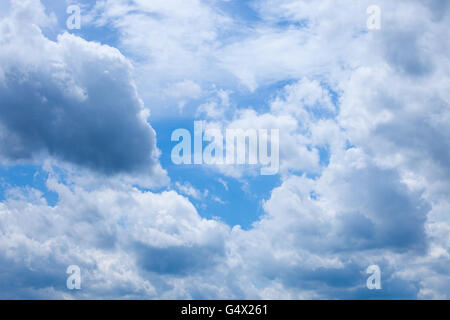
[[303, 112], [71, 99], [127, 242], [318, 236]]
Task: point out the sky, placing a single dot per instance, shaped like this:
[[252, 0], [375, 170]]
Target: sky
[[87, 177]]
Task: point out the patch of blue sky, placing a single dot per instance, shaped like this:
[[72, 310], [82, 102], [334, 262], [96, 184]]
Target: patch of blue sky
[[297, 24], [23, 176], [260, 99], [324, 155], [102, 34], [240, 10], [240, 201], [242, 98]]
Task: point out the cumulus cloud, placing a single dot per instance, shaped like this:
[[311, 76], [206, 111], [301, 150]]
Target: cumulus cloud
[[318, 236], [70, 99], [121, 239]]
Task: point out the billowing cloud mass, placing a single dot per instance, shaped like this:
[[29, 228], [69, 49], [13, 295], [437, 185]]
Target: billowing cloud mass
[[364, 119], [125, 238], [71, 99]]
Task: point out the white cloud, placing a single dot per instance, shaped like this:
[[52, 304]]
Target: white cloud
[[188, 190], [123, 239]]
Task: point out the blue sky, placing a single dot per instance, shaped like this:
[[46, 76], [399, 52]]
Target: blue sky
[[87, 178]]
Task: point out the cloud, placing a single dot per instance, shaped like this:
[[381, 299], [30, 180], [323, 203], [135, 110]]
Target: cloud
[[71, 99], [173, 44], [121, 239], [317, 237], [188, 190], [304, 114]]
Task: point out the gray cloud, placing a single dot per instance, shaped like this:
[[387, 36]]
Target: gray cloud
[[71, 99]]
